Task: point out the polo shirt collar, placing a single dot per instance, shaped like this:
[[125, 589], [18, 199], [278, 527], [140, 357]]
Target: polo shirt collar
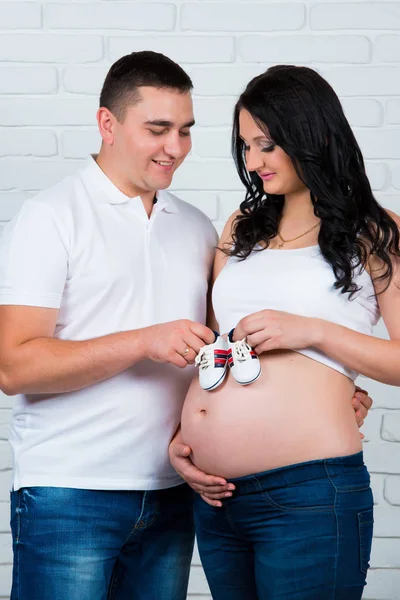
[[108, 193]]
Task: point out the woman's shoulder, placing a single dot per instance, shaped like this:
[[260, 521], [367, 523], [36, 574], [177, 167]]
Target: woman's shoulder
[[395, 217]]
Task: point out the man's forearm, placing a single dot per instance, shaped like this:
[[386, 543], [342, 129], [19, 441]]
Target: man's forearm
[[49, 365]]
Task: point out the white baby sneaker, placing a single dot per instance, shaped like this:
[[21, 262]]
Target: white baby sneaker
[[243, 361], [212, 361]]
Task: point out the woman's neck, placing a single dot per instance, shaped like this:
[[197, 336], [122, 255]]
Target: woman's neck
[[298, 208]]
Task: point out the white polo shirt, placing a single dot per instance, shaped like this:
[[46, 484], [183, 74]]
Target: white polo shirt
[[90, 251]]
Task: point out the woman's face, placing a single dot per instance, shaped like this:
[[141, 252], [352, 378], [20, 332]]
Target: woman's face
[[268, 160]]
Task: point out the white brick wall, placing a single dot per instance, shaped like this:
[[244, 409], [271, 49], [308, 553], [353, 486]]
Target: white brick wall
[[53, 58]]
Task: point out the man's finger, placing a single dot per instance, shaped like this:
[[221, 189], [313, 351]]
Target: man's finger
[[219, 496], [181, 450], [216, 503], [190, 471], [216, 489], [201, 331], [363, 412], [360, 390], [365, 400]]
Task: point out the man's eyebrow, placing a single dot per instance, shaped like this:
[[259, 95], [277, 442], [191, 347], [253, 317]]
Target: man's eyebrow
[[161, 123]]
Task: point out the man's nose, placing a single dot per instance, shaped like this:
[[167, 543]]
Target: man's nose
[[176, 146]]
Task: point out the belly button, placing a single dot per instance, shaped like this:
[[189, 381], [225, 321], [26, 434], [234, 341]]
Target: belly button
[[203, 411]]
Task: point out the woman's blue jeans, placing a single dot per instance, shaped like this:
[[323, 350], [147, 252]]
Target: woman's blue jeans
[[301, 532], [72, 544]]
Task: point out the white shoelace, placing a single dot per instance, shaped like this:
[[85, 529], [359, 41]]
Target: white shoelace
[[241, 351], [205, 357]]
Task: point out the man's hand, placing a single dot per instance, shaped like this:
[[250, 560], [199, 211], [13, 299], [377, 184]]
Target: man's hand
[[211, 488], [177, 342], [361, 404]]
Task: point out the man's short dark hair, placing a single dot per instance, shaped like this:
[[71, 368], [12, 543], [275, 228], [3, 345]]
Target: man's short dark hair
[[138, 69]]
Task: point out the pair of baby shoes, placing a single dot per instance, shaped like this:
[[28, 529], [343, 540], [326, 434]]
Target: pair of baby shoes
[[214, 359]]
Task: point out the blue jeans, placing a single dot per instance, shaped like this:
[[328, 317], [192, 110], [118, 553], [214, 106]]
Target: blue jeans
[[301, 532], [72, 544]]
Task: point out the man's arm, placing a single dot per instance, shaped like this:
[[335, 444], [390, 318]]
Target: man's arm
[[32, 361]]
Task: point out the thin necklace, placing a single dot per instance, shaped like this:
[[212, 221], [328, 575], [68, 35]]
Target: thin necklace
[[298, 237]]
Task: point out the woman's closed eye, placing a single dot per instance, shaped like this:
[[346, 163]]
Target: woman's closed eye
[[268, 148]]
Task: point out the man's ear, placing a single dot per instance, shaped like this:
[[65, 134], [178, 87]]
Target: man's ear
[[106, 123]]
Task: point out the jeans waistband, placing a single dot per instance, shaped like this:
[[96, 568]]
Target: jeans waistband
[[296, 473]]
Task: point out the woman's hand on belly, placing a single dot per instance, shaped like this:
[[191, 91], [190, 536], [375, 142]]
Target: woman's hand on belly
[[276, 330], [210, 487]]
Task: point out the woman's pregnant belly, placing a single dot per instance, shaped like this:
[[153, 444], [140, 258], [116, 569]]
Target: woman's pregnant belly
[[298, 410]]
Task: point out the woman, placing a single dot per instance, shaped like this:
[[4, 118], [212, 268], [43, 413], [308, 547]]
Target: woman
[[307, 266]]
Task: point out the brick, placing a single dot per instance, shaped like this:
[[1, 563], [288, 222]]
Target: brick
[[364, 81], [379, 143], [242, 17], [223, 81], [79, 143], [387, 47], [10, 203], [5, 455], [393, 112], [305, 49], [363, 112], [389, 201], [377, 483], [20, 15], [382, 457], [6, 401], [395, 170], [133, 16], [5, 580], [84, 80], [213, 175], [48, 111], [385, 553], [5, 419], [214, 143], [392, 490], [211, 112], [372, 425], [391, 427], [30, 80], [382, 584], [187, 49], [40, 174], [197, 581], [387, 522], [230, 203], [377, 174], [357, 15], [6, 555], [384, 396], [5, 485], [205, 201], [50, 47], [4, 517], [27, 142]]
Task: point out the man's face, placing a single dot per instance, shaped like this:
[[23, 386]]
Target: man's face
[[153, 139]]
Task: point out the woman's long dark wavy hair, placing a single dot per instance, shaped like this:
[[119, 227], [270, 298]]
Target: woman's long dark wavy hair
[[299, 111]]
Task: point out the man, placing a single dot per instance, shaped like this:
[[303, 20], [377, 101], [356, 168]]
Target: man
[[103, 284]]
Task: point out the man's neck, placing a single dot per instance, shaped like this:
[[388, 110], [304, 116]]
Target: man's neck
[[148, 197]]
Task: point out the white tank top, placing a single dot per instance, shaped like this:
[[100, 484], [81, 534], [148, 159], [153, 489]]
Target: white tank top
[[297, 281]]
